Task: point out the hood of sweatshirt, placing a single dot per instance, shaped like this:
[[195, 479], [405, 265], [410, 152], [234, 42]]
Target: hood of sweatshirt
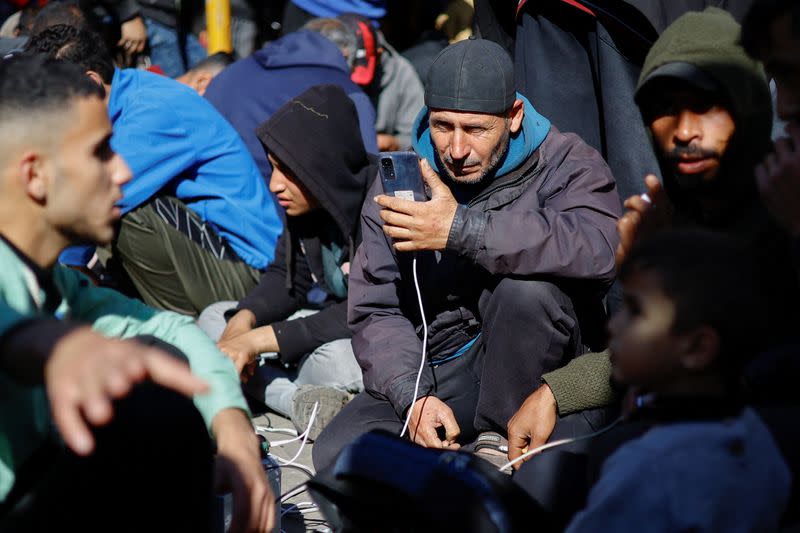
[[709, 43], [522, 144], [301, 48], [316, 136]]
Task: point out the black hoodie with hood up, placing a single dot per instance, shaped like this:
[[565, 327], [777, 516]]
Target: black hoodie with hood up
[[316, 137]]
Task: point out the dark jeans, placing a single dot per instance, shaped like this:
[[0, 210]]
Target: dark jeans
[[151, 470], [528, 328]]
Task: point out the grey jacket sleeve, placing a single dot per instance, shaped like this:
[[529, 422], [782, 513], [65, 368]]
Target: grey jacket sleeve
[[384, 340], [569, 232]]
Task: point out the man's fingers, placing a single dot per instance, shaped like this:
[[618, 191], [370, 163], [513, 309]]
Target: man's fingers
[[399, 205], [402, 234], [396, 219], [173, 374], [451, 429], [638, 204], [407, 246], [72, 427], [432, 178], [429, 437]]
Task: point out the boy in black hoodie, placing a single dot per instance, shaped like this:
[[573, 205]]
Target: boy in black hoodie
[[320, 176]]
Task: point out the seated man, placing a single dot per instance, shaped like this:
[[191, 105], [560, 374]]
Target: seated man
[[690, 320], [198, 222], [708, 108], [151, 468], [199, 76], [515, 246], [322, 189]]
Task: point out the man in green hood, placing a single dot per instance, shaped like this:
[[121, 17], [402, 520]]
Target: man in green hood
[[707, 108]]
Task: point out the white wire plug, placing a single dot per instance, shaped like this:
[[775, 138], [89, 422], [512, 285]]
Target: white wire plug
[[424, 346]]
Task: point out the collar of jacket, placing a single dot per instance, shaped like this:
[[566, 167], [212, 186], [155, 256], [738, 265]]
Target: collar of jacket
[[521, 145]]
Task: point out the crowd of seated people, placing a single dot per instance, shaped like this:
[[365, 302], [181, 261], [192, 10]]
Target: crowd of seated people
[[608, 252]]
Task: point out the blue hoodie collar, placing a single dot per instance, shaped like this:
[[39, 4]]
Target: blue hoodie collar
[[535, 128]]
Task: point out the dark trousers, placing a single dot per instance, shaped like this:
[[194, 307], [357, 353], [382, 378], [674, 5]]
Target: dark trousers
[[528, 328], [151, 470]]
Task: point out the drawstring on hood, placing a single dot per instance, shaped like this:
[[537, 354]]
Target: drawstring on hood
[[316, 136], [522, 144]]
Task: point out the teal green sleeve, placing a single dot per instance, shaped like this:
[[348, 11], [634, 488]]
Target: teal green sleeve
[[10, 318], [115, 315]]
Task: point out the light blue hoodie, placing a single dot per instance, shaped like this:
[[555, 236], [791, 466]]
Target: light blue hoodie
[[177, 144]]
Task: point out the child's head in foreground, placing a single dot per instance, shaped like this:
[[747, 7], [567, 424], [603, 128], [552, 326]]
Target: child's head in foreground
[[691, 314]]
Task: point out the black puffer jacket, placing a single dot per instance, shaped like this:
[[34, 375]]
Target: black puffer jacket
[[316, 136]]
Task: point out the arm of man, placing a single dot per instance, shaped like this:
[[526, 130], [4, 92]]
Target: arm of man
[[384, 339], [224, 408], [572, 234], [584, 383], [84, 372]]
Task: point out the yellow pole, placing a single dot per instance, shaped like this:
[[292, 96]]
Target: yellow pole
[[218, 23]]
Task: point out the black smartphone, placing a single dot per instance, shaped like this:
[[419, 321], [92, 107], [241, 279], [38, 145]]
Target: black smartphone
[[401, 177]]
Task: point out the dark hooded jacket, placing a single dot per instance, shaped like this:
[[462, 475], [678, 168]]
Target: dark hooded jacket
[[709, 41], [579, 62], [549, 211], [316, 136]]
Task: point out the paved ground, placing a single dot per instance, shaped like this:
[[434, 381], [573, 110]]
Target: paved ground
[[292, 521]]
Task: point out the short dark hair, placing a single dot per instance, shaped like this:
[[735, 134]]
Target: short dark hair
[[55, 13], [713, 280], [35, 83], [759, 18], [82, 47], [219, 60]]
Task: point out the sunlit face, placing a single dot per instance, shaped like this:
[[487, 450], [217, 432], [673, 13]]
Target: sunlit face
[[291, 193], [470, 145], [644, 350], [692, 130], [85, 177], [782, 60]]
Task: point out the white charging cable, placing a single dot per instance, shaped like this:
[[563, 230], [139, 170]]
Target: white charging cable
[[424, 346], [557, 443]]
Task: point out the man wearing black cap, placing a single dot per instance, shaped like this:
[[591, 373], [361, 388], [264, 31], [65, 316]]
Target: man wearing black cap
[[514, 252]]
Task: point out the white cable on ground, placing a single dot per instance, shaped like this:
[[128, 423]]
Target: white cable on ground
[[424, 347], [305, 439], [265, 429], [557, 443]]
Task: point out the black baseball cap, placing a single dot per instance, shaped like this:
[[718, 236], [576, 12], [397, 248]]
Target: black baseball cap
[[475, 75]]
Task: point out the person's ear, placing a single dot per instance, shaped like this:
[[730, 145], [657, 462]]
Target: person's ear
[[201, 81], [33, 176], [95, 77], [516, 114], [699, 349]]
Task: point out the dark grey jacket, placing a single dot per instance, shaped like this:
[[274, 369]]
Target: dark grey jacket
[[554, 217]]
